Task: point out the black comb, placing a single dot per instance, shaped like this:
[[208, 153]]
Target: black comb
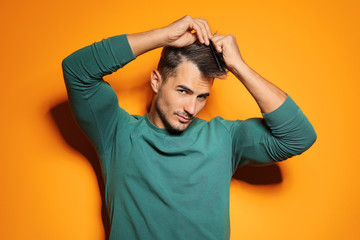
[[218, 58]]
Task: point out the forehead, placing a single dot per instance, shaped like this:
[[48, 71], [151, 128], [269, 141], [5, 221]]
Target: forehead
[[188, 74]]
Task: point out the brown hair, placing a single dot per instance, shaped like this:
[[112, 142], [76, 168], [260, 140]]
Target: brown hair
[[197, 53]]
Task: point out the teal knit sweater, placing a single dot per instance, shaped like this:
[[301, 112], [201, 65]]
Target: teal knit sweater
[[163, 186]]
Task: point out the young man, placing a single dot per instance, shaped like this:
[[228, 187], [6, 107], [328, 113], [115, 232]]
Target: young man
[[168, 173]]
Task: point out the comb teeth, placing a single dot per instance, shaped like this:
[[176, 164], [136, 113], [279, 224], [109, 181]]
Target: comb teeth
[[218, 58]]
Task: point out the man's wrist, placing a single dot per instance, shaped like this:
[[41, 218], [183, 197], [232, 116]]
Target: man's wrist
[[159, 37], [238, 68]]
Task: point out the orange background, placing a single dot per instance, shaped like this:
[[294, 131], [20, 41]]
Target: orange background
[[50, 179]]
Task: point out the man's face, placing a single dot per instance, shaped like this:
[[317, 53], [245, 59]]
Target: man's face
[[181, 98]]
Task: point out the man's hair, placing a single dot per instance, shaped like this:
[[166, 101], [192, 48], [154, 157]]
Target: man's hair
[[197, 53]]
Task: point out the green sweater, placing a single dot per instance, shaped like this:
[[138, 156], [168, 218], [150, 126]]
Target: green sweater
[[163, 186]]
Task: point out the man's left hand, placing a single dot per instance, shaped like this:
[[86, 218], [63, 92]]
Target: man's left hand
[[227, 45]]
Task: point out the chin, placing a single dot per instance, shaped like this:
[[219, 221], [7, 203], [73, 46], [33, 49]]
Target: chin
[[178, 128]]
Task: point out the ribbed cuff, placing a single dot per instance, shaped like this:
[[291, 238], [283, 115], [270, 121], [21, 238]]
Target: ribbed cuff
[[121, 48]]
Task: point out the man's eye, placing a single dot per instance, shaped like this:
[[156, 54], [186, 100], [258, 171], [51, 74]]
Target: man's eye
[[181, 91], [202, 97]]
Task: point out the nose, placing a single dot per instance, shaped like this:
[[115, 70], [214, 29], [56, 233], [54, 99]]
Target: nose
[[190, 107]]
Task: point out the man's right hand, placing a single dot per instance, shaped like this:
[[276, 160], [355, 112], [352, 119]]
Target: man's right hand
[[180, 33]]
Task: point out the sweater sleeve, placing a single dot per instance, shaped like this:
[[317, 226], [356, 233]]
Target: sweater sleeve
[[279, 135], [92, 100]]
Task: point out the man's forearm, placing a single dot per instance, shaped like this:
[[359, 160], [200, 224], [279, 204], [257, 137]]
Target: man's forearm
[[146, 41], [178, 34], [268, 96]]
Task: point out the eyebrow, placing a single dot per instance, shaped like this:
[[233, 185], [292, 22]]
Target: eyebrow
[[189, 90], [185, 88]]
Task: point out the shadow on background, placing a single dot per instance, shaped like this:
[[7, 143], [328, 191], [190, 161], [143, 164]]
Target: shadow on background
[[71, 133], [259, 175]]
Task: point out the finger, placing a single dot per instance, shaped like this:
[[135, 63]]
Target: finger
[[218, 47], [193, 38], [204, 31], [217, 35], [207, 27], [218, 41], [199, 32]]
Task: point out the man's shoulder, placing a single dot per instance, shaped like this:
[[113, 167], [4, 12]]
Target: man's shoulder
[[129, 120]]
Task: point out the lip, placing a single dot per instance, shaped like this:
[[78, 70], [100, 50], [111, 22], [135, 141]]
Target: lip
[[183, 119]]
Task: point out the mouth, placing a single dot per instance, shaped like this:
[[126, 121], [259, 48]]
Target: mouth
[[183, 119]]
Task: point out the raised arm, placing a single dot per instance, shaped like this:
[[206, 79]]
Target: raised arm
[[92, 100], [268, 96], [283, 132]]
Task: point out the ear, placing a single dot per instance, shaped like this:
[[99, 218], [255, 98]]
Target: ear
[[155, 81]]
